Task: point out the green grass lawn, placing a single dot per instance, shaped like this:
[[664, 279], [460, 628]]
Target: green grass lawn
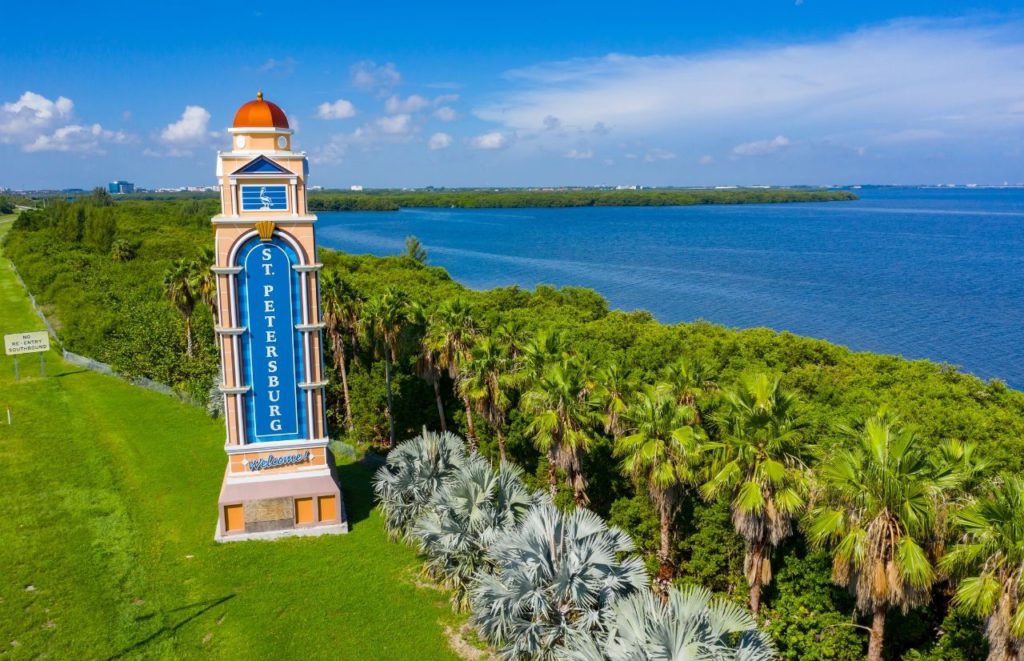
[[108, 495]]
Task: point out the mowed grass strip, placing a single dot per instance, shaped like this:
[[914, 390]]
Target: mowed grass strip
[[109, 503]]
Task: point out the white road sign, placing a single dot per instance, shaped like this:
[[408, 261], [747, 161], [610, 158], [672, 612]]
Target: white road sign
[[19, 343]]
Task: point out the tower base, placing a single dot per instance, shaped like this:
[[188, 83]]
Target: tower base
[[285, 505]]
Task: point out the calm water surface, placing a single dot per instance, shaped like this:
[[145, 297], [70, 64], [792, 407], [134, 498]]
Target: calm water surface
[[922, 273]]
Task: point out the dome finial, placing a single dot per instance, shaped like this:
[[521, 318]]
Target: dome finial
[[259, 95]]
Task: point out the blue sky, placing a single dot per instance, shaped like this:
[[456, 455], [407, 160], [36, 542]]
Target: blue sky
[[531, 93]]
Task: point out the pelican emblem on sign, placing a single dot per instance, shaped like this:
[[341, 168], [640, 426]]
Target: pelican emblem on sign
[[265, 200]]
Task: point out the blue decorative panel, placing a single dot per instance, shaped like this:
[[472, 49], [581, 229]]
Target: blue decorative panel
[[262, 165], [272, 352], [265, 198]]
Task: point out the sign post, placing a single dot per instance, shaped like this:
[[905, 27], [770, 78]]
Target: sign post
[[16, 344]]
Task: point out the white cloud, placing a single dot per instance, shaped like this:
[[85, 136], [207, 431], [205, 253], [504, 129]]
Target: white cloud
[[492, 140], [396, 104], [761, 147], [956, 76], [912, 135], [396, 125], [439, 141], [340, 109], [706, 159], [31, 113], [654, 155], [580, 154], [190, 129], [285, 66], [369, 75], [446, 114], [77, 138]]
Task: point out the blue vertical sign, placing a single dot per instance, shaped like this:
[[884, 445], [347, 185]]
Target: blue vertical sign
[[272, 355]]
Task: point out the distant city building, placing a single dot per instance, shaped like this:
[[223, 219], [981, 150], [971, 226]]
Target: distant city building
[[356, 188], [634, 187], [119, 187]]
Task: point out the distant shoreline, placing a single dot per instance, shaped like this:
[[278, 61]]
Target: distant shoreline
[[390, 200]]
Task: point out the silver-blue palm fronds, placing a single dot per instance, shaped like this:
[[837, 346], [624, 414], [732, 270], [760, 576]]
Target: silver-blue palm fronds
[[474, 506], [414, 472], [557, 576], [689, 626]]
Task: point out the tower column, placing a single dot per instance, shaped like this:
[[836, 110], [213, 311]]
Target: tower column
[[280, 478]]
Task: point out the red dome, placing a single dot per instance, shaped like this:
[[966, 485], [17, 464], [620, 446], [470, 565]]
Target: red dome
[[260, 114]]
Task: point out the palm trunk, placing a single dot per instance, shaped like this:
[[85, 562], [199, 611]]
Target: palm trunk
[[664, 555], [877, 634], [470, 430], [339, 352], [440, 404], [188, 336], [579, 483], [756, 560], [501, 442], [552, 475], [391, 415]]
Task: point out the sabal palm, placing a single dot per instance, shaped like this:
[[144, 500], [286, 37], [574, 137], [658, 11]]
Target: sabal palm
[[384, 317], [661, 447], [691, 380], [339, 303], [512, 333], [564, 415], [450, 335], [428, 365], [473, 506], [178, 287], [689, 624], [540, 349], [486, 380], [990, 557], [759, 466], [556, 575], [612, 388], [203, 281], [879, 512], [415, 471]]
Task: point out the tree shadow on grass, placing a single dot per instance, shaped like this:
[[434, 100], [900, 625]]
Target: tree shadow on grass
[[69, 373], [206, 606], [357, 489]]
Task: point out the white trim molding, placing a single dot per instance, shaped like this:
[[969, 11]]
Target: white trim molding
[[272, 446]]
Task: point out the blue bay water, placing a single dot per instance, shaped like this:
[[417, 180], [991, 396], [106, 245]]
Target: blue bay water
[[923, 273]]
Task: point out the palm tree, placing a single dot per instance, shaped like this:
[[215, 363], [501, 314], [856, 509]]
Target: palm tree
[[485, 380], [689, 624], [512, 333], [384, 318], [878, 512], [692, 381], [538, 351], [415, 250], [203, 281], [661, 446], [759, 466], [339, 303], [413, 474], [473, 506], [556, 574], [612, 388], [564, 415], [450, 334], [178, 286], [428, 368], [990, 554]]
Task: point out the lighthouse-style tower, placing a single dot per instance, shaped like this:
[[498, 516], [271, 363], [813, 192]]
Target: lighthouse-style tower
[[280, 478]]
